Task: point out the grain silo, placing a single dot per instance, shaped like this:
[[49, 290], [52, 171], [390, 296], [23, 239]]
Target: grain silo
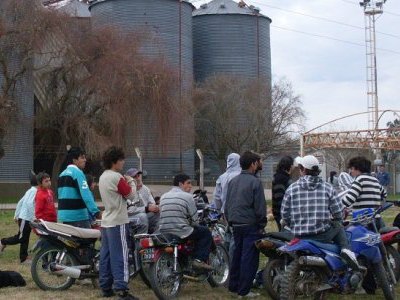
[[16, 84], [168, 23], [231, 38]]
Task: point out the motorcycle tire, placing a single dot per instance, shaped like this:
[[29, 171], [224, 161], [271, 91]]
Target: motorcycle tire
[[39, 270], [273, 268], [144, 275], [164, 282], [219, 260], [383, 281], [290, 279], [394, 260]]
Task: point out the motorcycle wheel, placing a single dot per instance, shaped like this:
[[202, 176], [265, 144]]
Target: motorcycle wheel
[[272, 277], [165, 283], [219, 260], [394, 260], [41, 274], [300, 282], [383, 281]]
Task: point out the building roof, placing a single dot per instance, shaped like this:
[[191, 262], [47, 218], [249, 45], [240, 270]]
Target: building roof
[[74, 8], [226, 7]]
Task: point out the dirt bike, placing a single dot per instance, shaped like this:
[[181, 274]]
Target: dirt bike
[[65, 253], [170, 262], [318, 269]]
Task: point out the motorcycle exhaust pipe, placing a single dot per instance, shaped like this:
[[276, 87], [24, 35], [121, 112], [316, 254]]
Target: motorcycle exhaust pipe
[[66, 271], [191, 278], [312, 261]]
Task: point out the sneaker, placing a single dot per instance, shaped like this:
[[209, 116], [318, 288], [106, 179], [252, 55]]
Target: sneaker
[[350, 258], [250, 295], [107, 293], [126, 296], [198, 264], [27, 261], [2, 247]]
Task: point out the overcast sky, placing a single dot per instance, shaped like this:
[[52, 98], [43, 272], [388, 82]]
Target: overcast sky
[[330, 75]]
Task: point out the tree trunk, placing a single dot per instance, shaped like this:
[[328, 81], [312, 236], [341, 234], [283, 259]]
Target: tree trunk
[[60, 157]]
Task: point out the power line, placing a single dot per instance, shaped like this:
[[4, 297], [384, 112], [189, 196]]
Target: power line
[[332, 38]]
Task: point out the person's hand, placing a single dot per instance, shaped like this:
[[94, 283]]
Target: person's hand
[[153, 208], [16, 220], [99, 215], [128, 178]]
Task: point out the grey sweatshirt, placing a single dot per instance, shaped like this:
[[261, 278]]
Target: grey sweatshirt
[[245, 201]]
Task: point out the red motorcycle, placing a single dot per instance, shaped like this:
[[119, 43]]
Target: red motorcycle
[[169, 262], [391, 236]]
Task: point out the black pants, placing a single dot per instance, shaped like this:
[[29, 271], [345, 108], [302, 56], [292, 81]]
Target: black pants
[[335, 234], [22, 238], [203, 240]]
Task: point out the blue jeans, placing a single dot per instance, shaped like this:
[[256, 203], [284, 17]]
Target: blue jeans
[[245, 259], [203, 240]]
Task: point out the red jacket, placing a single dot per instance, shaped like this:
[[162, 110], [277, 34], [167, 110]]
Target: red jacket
[[44, 205]]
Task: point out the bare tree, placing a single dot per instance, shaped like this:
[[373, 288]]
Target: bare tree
[[234, 114], [339, 157]]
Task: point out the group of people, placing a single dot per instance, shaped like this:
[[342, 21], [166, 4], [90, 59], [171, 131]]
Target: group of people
[[309, 206]]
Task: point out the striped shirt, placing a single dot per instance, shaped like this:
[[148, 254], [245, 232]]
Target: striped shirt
[[365, 192], [178, 213]]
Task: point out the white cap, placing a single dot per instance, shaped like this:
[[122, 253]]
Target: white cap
[[296, 161], [309, 161]]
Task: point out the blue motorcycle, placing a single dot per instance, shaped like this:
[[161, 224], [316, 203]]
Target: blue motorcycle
[[317, 268]]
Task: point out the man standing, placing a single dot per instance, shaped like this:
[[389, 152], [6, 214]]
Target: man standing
[[232, 170], [383, 178], [24, 214], [76, 205], [146, 212], [245, 211], [178, 216], [114, 191]]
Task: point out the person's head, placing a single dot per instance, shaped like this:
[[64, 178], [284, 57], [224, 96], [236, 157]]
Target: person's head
[[309, 165], [77, 156], [382, 168], [285, 164], [183, 182], [114, 159], [33, 179], [359, 165], [91, 182], [43, 180], [136, 174], [251, 162]]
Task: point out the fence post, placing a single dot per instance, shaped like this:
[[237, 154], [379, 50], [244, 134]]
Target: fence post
[[201, 157], [139, 155]]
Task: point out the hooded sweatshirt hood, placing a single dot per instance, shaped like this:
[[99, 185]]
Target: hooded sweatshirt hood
[[310, 183], [233, 163]]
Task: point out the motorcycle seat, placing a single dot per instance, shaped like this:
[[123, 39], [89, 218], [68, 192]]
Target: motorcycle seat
[[171, 238], [326, 246], [69, 230], [284, 236], [387, 229]]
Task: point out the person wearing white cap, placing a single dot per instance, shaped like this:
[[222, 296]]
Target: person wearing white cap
[[308, 206]]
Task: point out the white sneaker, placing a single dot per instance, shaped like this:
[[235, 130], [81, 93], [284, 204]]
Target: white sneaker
[[2, 247], [350, 258], [250, 295]]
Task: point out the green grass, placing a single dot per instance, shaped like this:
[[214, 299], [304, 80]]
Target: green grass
[[9, 261], [8, 200]]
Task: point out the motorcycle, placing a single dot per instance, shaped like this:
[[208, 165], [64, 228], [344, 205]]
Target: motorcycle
[[317, 268], [170, 263], [391, 236], [65, 253], [274, 269]]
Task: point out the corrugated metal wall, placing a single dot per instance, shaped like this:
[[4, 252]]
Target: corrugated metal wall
[[172, 40], [18, 158], [229, 44]]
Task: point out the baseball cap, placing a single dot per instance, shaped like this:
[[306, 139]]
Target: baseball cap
[[309, 162], [297, 161], [133, 172]]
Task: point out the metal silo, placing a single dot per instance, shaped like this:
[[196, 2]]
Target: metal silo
[[231, 38], [168, 23], [18, 141]]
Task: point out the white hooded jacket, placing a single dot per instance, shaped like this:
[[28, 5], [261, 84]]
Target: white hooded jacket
[[233, 169]]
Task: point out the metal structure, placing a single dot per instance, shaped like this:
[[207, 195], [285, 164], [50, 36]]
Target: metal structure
[[167, 29], [231, 38], [372, 9], [18, 141], [201, 158]]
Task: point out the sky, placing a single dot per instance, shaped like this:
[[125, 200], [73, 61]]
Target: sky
[[330, 75]]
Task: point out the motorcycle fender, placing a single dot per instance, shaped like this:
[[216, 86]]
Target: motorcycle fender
[[40, 244], [391, 237], [334, 261], [372, 254], [300, 246]]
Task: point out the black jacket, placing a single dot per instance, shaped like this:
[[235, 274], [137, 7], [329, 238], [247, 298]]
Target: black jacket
[[279, 185], [245, 201]]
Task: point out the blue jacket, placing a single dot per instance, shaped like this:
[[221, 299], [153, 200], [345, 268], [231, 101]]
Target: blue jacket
[[75, 200], [383, 178], [25, 209]]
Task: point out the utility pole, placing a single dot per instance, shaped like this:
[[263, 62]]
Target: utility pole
[[372, 10]]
